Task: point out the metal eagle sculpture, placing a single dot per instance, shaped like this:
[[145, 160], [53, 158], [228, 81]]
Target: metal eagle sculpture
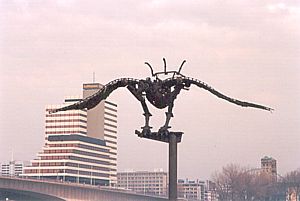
[[160, 93]]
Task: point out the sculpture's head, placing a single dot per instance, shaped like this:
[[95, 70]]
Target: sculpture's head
[[165, 72]]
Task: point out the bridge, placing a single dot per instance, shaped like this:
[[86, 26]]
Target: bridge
[[13, 188]]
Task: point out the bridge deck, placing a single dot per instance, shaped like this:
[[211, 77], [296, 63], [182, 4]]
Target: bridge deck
[[69, 191]]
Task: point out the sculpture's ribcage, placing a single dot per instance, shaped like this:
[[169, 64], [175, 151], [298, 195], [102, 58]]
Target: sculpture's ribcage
[[158, 99]]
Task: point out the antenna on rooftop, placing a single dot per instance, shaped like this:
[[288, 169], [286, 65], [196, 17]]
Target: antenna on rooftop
[[94, 77], [12, 155]]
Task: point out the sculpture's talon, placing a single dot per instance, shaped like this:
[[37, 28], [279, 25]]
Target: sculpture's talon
[[138, 133], [164, 130], [146, 130]]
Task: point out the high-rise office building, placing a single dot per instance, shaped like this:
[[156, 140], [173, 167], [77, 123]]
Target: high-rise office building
[[80, 145], [152, 183], [105, 114]]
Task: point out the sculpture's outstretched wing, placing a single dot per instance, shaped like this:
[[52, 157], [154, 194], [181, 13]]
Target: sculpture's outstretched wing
[[102, 94], [188, 81]]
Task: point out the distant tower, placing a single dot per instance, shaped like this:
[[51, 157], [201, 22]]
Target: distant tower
[[269, 166]]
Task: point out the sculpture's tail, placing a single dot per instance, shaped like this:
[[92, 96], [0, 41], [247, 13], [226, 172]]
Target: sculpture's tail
[[205, 86]]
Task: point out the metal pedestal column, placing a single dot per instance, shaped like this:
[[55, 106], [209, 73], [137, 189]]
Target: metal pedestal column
[[172, 166], [172, 138]]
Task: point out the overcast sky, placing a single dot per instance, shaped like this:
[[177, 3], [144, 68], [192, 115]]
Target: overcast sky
[[246, 49]]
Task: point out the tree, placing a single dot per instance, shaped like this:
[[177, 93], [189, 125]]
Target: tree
[[232, 184], [236, 183], [291, 181]]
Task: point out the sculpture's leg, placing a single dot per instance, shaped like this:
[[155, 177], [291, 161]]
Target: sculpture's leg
[[164, 128], [146, 129], [169, 115], [147, 114]]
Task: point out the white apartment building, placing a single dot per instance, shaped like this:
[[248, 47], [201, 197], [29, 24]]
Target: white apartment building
[[145, 182], [210, 193], [191, 190], [12, 168], [80, 145]]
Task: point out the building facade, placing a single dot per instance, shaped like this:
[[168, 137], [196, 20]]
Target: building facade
[[191, 190], [210, 193], [71, 122], [105, 114], [269, 166], [12, 168], [80, 145], [145, 182]]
